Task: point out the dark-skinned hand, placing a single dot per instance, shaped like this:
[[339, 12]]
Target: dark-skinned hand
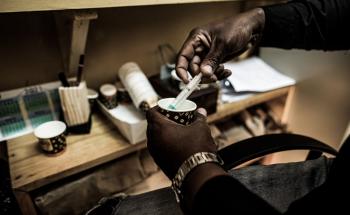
[[170, 143], [207, 47]]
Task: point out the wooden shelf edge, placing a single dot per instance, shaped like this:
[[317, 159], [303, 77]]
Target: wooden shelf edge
[[8, 6], [30, 185], [226, 110]]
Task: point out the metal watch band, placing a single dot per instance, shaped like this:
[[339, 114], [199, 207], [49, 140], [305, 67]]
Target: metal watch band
[[188, 165]]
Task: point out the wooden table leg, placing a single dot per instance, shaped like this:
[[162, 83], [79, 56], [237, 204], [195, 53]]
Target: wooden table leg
[[25, 202]]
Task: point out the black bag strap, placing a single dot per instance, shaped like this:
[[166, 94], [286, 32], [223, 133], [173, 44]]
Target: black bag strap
[[256, 147]]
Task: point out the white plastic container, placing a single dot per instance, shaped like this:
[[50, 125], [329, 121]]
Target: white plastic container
[[137, 85]]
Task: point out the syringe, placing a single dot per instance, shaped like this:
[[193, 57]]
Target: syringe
[[185, 93]]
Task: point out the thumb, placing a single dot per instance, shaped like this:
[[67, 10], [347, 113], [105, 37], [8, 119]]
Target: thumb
[[201, 115], [202, 111], [211, 61]]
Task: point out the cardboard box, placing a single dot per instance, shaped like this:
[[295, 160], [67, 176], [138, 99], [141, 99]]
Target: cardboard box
[[130, 121]]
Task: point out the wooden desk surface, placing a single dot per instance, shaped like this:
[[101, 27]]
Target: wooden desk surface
[[31, 169]]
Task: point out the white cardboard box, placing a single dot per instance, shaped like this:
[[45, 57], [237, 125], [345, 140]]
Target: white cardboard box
[[129, 120]]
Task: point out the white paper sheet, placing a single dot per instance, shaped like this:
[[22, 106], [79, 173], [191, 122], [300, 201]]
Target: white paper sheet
[[254, 75], [230, 98], [229, 95]]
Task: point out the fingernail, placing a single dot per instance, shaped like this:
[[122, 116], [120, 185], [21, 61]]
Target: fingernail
[[202, 111], [207, 69]]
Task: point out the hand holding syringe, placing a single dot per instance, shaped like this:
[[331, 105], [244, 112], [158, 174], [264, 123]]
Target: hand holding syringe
[[185, 93]]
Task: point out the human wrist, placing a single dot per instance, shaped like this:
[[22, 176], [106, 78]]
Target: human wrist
[[197, 178], [191, 163], [259, 20]]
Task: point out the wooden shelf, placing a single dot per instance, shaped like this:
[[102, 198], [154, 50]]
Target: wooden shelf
[[45, 5], [31, 169], [232, 108]]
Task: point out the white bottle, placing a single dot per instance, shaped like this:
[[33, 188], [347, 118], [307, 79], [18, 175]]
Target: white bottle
[[136, 83]]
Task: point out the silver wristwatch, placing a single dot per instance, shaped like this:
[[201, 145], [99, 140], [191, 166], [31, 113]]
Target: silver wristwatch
[[189, 164]]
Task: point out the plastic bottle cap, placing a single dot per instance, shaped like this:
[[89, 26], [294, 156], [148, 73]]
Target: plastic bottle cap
[[108, 90]]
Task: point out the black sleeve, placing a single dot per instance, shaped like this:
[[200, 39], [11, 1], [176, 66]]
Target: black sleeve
[[225, 195], [329, 198], [308, 24]]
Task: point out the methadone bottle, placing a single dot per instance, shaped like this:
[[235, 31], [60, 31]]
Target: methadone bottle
[[136, 83]]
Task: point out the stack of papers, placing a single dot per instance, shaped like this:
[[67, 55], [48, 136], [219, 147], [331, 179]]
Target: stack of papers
[[254, 75], [251, 76]]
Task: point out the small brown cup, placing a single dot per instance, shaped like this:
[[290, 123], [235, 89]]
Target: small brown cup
[[51, 136], [184, 114]]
